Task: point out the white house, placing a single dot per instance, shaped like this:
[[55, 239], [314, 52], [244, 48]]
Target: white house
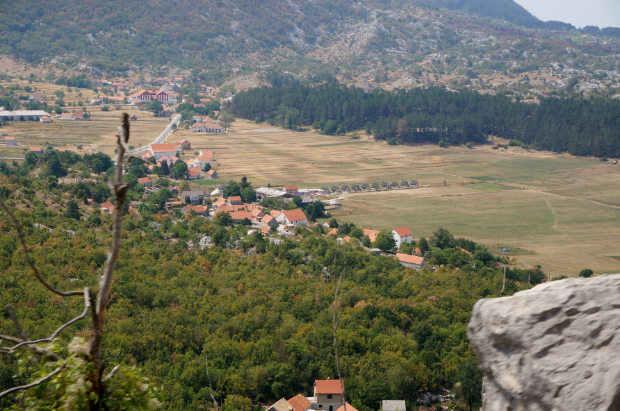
[[162, 150], [292, 217], [402, 235], [204, 157]]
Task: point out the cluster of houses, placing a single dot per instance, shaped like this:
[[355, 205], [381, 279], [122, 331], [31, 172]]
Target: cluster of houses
[[205, 124], [328, 396], [168, 152]]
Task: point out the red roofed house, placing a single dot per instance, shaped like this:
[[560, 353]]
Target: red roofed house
[[212, 174], [204, 157], [349, 407], [402, 235], [266, 230], [186, 144], [45, 119], [107, 206], [235, 200], [239, 216], [37, 150], [299, 402], [194, 174], [281, 405], [257, 215], [78, 115], [333, 231], [9, 141], [293, 189], [145, 181], [372, 234], [162, 150], [328, 394], [411, 261], [292, 217], [269, 220]]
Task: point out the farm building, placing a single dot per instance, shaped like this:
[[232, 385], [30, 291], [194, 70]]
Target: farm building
[[325, 189], [162, 150], [385, 186], [207, 128], [22, 115], [10, 141], [45, 119], [145, 181], [212, 174], [37, 150], [411, 261], [414, 183]]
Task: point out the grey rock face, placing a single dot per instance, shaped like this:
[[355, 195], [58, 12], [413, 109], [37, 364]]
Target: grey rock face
[[555, 347]]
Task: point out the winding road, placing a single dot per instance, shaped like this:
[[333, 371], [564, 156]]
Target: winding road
[[162, 137]]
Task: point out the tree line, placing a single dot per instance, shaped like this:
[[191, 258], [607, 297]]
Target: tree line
[[574, 125]]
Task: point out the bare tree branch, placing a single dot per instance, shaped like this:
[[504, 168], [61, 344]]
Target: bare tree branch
[[336, 320], [504, 283], [120, 191], [18, 326], [22, 240], [217, 408], [33, 384], [62, 327], [112, 373]]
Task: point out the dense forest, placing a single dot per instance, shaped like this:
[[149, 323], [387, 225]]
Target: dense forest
[[574, 125], [261, 313]]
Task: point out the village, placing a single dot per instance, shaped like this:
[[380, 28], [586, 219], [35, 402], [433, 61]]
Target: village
[[328, 395]]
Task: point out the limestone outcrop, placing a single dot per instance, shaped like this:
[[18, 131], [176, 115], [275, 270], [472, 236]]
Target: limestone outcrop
[[555, 347]]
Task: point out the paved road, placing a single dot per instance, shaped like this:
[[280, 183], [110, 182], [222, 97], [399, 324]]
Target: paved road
[[162, 137]]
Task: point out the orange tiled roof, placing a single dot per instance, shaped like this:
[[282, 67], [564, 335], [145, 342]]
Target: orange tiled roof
[[403, 231], [328, 386], [411, 259], [299, 403], [294, 215]]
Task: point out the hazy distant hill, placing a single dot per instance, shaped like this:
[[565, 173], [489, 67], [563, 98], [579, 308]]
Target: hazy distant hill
[[373, 43]]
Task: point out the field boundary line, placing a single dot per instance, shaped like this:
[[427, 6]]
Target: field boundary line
[[557, 219]]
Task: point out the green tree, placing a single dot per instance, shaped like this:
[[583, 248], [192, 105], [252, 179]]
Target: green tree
[[384, 241], [179, 170], [223, 219], [164, 170], [31, 158], [73, 210], [220, 236], [248, 195], [442, 239], [423, 245], [156, 107], [207, 167], [469, 382], [333, 223], [226, 118], [55, 168], [586, 272], [97, 166]]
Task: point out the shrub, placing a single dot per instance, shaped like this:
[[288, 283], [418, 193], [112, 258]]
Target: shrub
[[105, 108], [586, 272]]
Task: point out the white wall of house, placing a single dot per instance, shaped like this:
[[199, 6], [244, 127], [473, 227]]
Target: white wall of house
[[399, 240]]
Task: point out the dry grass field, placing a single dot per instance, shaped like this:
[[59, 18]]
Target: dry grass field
[[558, 211]]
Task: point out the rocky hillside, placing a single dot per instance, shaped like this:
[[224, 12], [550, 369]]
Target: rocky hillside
[[372, 43]]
